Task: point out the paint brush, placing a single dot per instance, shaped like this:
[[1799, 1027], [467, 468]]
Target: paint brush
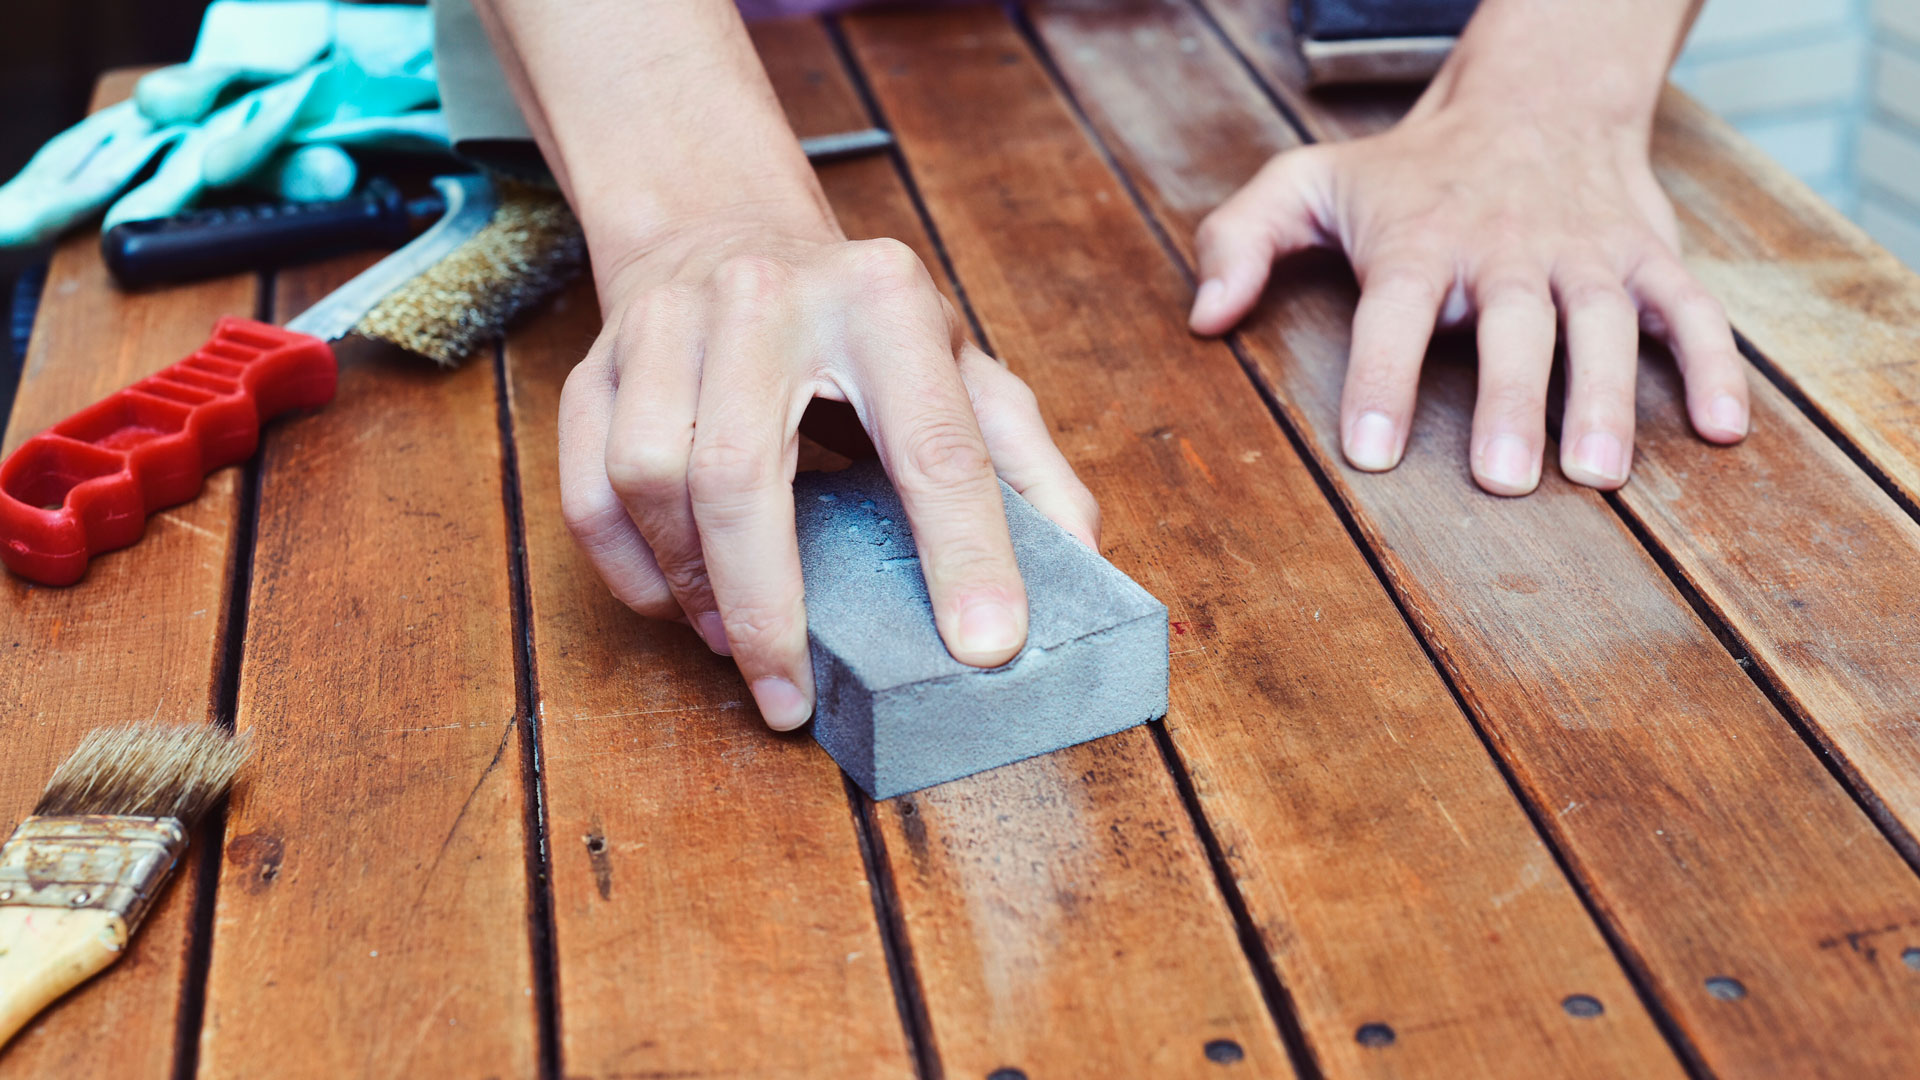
[[77, 877]]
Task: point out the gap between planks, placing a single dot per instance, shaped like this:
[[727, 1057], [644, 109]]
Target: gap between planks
[[1285, 1011]]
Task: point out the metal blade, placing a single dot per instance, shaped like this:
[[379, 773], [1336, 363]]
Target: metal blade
[[470, 204]]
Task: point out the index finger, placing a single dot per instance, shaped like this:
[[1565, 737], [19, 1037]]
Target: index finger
[[922, 422]]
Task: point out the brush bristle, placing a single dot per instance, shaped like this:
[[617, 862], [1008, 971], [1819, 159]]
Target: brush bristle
[[531, 248], [146, 771]]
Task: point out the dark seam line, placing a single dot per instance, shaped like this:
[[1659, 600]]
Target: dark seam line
[[1826, 425], [1769, 684], [1273, 989], [915, 1023], [540, 923], [1637, 974], [212, 833], [864, 89], [908, 994]]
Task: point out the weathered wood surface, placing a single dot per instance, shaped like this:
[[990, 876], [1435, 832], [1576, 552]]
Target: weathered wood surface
[[1391, 875], [1837, 315], [1022, 888], [1793, 546], [712, 914], [1718, 848], [372, 917], [712, 910], [140, 638]]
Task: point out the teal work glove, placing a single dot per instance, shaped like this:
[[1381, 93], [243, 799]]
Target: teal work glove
[[313, 77]]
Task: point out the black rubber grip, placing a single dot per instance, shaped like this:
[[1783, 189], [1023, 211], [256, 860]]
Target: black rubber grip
[[230, 239]]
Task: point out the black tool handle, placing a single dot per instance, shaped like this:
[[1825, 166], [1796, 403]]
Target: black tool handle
[[229, 239]]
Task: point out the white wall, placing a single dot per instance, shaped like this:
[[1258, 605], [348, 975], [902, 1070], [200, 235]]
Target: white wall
[[1829, 88]]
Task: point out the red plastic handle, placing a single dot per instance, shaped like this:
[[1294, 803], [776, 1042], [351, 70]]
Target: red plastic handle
[[87, 484]]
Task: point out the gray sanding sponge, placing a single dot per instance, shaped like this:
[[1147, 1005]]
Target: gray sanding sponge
[[896, 710]]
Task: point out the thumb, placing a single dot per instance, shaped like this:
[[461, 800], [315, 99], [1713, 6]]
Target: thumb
[[1272, 216]]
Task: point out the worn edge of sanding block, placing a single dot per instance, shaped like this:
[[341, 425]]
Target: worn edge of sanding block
[[896, 711]]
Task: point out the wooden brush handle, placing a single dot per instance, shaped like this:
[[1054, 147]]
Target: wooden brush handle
[[45, 952]]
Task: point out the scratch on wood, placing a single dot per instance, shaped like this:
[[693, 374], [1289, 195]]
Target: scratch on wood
[[658, 712], [169, 518]]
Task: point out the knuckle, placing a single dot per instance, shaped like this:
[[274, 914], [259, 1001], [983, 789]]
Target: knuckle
[[641, 467], [886, 265], [589, 519], [758, 626], [947, 451], [1593, 293], [1511, 283], [1694, 299], [1522, 398], [721, 467], [1404, 282], [651, 600], [750, 278]]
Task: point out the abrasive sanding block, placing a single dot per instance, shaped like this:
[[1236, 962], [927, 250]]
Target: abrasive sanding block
[[896, 711]]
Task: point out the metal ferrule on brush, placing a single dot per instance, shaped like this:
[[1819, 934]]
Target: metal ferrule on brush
[[113, 862]]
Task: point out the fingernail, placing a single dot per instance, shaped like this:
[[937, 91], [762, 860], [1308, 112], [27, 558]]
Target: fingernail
[[1508, 465], [781, 705], [1208, 297], [1599, 456], [713, 631], [988, 628], [1370, 446], [1728, 415]]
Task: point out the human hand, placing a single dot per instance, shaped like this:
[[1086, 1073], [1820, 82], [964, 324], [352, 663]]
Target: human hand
[[678, 442], [1500, 213]]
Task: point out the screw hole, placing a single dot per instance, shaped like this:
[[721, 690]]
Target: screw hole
[[1910, 957], [1224, 1051], [1006, 1074], [1374, 1035], [1583, 1005], [596, 844], [1726, 989]]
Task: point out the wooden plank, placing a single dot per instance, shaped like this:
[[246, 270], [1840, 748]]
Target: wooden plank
[[711, 907], [1716, 849], [1824, 608], [140, 637], [1061, 915], [373, 915], [1835, 313], [1451, 924]]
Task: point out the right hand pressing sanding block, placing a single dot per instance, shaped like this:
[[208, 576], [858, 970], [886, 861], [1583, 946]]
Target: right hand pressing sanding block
[[896, 711]]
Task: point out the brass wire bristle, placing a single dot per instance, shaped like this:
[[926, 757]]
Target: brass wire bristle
[[531, 248], [143, 770]]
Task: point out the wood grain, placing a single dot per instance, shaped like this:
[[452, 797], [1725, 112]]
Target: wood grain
[[1390, 885], [712, 910], [1701, 826], [139, 638], [372, 916], [1024, 887], [1836, 314], [1824, 604]]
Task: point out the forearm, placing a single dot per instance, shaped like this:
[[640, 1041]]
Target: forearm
[[656, 117], [1599, 62]]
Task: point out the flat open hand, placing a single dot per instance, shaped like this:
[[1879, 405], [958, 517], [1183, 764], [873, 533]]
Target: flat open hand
[[1524, 224], [678, 443]]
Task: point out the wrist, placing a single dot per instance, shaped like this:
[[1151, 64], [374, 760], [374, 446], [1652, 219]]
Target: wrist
[[652, 249], [1595, 68]]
